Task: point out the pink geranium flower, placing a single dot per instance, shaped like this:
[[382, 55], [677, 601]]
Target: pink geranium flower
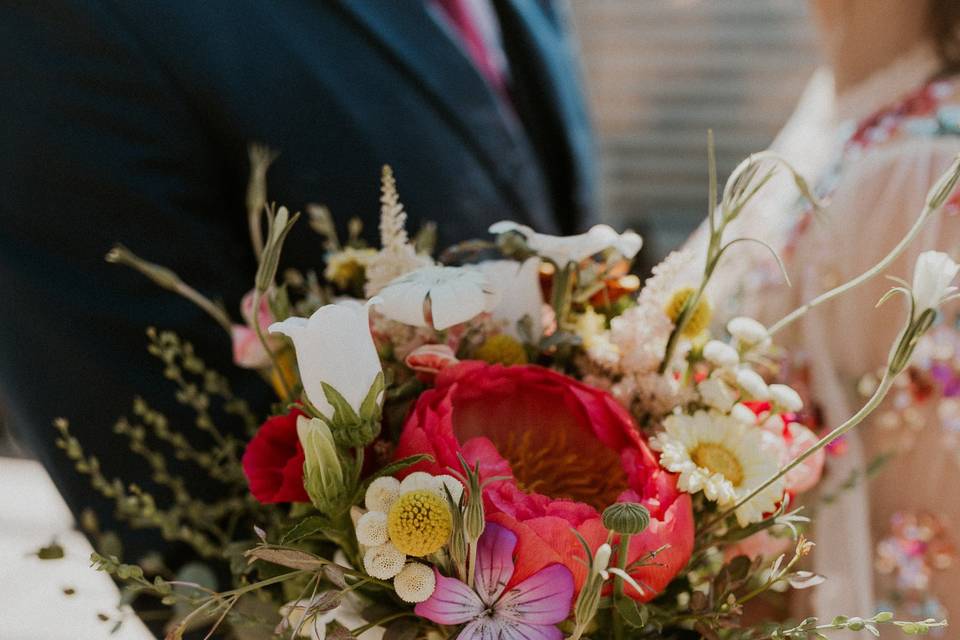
[[530, 609]]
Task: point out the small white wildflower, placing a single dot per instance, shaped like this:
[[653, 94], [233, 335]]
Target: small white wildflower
[[383, 562], [372, 529], [415, 582], [454, 486], [752, 383], [382, 493], [721, 354], [716, 394], [744, 414], [747, 330], [419, 481], [785, 397], [932, 276]]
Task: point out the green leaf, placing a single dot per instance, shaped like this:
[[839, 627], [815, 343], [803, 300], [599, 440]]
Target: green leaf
[[397, 466], [370, 408], [343, 413], [635, 615], [305, 528]]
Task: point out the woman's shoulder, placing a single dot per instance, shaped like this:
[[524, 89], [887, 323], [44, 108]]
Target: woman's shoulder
[[930, 112]]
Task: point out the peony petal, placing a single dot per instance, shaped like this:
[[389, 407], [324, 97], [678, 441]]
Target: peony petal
[[452, 602], [543, 598], [497, 628], [494, 562]]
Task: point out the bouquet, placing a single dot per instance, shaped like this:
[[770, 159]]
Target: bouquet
[[512, 441]]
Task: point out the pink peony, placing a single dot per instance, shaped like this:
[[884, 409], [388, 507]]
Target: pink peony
[[568, 451]]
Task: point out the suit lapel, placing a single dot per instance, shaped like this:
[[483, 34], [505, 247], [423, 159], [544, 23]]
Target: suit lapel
[[419, 45]]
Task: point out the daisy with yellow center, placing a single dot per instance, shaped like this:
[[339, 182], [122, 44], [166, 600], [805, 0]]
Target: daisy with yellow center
[[699, 318], [724, 458], [409, 518]]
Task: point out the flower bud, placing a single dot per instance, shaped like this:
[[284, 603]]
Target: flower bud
[[323, 473], [474, 519], [747, 330], [626, 518], [716, 394], [601, 559], [335, 351], [751, 382], [786, 397], [744, 414], [721, 354]]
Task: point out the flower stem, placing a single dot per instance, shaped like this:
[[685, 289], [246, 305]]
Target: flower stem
[[288, 392], [936, 198], [471, 563], [562, 294], [623, 549]]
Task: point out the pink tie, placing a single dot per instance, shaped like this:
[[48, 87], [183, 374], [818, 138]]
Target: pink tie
[[471, 39]]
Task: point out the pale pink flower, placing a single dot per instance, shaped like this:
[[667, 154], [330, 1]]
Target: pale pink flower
[[248, 351]]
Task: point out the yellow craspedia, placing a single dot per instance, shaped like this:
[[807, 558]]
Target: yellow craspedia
[[501, 349], [419, 523], [698, 321]]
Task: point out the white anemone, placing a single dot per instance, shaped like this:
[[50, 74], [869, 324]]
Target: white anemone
[[454, 294], [562, 250], [518, 284]]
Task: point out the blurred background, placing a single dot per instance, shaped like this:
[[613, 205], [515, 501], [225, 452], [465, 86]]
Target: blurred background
[[658, 73]]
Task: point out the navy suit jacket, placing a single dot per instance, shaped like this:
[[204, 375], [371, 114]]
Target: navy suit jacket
[[127, 121]]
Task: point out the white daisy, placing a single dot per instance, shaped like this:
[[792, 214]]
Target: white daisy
[[438, 296], [724, 458]]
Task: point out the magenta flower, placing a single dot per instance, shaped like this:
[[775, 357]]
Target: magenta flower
[[529, 610]]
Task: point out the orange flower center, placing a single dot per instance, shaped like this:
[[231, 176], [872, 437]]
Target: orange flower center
[[549, 451]]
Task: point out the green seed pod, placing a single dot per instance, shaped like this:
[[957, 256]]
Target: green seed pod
[[627, 518]]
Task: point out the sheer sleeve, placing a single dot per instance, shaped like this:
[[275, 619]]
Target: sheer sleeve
[[876, 201]]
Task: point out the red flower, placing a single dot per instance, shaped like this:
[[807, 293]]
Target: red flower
[[569, 451], [273, 461]]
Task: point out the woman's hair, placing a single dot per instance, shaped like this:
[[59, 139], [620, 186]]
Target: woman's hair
[[944, 20]]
